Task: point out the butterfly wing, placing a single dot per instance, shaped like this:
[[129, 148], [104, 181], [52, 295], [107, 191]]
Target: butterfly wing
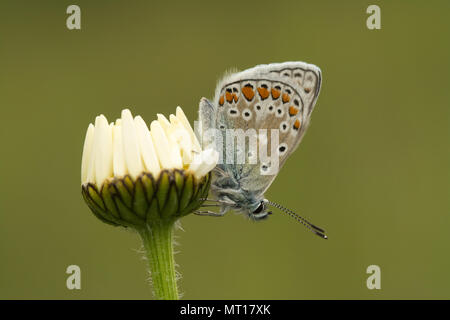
[[275, 96]]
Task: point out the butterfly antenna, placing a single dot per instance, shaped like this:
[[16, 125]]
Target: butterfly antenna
[[216, 201], [318, 231]]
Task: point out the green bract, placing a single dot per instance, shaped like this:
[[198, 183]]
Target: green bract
[[140, 202]]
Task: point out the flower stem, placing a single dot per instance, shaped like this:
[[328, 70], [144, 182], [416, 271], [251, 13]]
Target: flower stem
[[157, 239]]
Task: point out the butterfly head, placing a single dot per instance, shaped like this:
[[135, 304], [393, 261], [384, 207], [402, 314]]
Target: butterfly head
[[260, 211], [256, 208]]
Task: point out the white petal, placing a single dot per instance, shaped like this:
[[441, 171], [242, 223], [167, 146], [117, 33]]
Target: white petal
[[204, 162], [91, 162], [87, 153], [196, 163], [182, 117], [102, 150], [148, 151], [130, 145], [210, 157], [183, 139], [165, 124], [119, 165], [161, 144], [174, 120], [175, 152]]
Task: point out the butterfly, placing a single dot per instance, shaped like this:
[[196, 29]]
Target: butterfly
[[270, 105]]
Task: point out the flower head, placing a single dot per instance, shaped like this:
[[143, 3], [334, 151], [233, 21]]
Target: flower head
[[131, 175]]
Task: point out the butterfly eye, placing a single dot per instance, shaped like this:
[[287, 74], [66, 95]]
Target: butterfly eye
[[259, 209]]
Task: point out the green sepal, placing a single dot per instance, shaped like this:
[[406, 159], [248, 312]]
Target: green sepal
[[205, 187], [100, 214], [149, 186], [179, 178], [140, 203], [153, 211], [124, 191], [200, 190], [187, 192], [129, 183], [95, 196], [193, 202], [129, 218], [162, 189], [171, 207], [107, 193]]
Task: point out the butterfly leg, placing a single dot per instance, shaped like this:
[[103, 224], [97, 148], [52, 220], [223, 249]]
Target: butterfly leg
[[209, 213], [216, 201]]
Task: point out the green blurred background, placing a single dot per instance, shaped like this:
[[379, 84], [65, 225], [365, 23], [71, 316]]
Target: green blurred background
[[373, 169]]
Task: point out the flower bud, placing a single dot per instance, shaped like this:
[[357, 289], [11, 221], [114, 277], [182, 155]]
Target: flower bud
[[132, 176]]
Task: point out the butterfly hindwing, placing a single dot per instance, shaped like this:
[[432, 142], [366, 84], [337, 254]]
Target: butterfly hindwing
[[275, 96]]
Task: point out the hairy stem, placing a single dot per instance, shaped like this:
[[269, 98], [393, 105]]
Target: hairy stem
[[158, 242]]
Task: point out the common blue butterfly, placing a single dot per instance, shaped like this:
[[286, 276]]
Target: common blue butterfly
[[276, 98]]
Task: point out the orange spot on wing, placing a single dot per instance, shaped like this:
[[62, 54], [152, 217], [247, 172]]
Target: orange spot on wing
[[293, 111], [248, 92], [263, 92], [228, 96], [297, 124], [221, 100], [275, 93], [285, 98], [235, 97]]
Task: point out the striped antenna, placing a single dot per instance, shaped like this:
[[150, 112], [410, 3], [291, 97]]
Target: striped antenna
[[318, 231]]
